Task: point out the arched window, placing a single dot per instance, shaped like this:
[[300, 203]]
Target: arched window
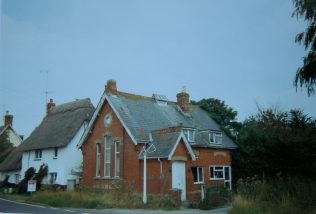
[[117, 159], [107, 158], [98, 160]]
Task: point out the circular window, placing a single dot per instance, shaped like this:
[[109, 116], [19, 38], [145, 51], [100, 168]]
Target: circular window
[[107, 120]]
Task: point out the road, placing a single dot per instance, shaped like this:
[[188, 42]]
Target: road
[[7, 206]]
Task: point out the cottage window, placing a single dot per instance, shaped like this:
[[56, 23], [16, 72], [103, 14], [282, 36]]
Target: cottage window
[[98, 159], [221, 173], [107, 158], [55, 152], [216, 137], [117, 159], [53, 177], [190, 134], [38, 154], [198, 175]]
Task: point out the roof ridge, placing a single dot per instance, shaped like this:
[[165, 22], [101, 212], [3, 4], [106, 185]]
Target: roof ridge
[[167, 130], [133, 96], [70, 106]]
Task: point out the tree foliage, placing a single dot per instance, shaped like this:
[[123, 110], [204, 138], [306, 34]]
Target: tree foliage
[[5, 146], [306, 75], [28, 175], [274, 143], [42, 172], [224, 115]]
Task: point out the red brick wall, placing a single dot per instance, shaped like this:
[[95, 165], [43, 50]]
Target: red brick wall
[[129, 163], [131, 168]]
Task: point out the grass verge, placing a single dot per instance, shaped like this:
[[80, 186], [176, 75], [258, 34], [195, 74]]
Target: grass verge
[[93, 199], [282, 196]]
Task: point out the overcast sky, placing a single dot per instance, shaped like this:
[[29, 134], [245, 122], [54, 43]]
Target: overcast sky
[[241, 52]]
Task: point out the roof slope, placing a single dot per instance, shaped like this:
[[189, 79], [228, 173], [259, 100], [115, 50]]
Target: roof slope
[[60, 125], [142, 115], [13, 161]]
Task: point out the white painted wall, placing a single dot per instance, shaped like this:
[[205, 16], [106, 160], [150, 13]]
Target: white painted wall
[[14, 176], [14, 138], [69, 157]]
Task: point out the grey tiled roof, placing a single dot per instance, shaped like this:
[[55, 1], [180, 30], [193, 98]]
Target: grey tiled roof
[[59, 126], [162, 144], [143, 115]]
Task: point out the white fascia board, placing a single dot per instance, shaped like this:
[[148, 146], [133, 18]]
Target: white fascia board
[[187, 145], [95, 115]]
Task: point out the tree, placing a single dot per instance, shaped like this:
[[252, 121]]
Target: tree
[[274, 143], [5, 146], [224, 115], [28, 175], [42, 172], [306, 75]]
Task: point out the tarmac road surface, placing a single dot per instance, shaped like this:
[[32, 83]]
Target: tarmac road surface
[[7, 206]]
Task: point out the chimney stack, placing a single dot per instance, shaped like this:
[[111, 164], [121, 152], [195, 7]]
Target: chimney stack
[[111, 87], [184, 101], [8, 119], [50, 105]]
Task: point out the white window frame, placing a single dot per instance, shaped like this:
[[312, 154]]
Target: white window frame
[[227, 179], [98, 160], [117, 159], [212, 138], [38, 154], [190, 134], [107, 155], [199, 180], [217, 170]]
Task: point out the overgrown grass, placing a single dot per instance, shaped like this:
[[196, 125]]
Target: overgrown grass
[[216, 196], [293, 195], [122, 197]]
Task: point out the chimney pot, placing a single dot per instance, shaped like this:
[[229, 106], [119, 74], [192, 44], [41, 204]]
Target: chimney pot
[[8, 119], [111, 87], [50, 105], [184, 101]]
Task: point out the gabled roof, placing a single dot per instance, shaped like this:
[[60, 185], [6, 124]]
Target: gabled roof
[[60, 125], [141, 115], [165, 142]]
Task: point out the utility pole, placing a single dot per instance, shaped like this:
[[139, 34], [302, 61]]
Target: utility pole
[[145, 169]]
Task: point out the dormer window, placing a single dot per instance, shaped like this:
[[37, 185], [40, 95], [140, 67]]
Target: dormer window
[[216, 137], [190, 134]]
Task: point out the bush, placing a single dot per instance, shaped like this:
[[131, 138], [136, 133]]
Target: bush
[[216, 196], [291, 195], [22, 186], [42, 172]]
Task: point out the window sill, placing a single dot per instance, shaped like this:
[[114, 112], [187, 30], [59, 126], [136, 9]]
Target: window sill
[[54, 158], [216, 179], [106, 178], [37, 159], [201, 182]]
